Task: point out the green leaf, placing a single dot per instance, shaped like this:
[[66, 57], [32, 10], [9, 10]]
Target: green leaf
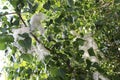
[[57, 72], [32, 8], [79, 56], [88, 64], [14, 49], [28, 71], [91, 52], [21, 42], [26, 43], [13, 3], [5, 7], [4, 18], [9, 38], [14, 21], [96, 65], [12, 59], [59, 19], [6, 38], [66, 43], [18, 4], [35, 7], [57, 30], [44, 75], [70, 2], [27, 57], [24, 35], [69, 19], [2, 46], [116, 1], [78, 42], [58, 45], [47, 5], [61, 73]]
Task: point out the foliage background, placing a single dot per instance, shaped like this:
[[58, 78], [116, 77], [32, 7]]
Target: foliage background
[[66, 25]]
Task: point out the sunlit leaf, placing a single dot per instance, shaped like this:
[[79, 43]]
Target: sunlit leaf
[[2, 46], [27, 57]]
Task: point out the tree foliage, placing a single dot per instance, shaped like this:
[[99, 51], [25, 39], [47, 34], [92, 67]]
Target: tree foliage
[[72, 28]]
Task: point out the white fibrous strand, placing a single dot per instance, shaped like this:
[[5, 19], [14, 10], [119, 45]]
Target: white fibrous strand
[[40, 51], [35, 22]]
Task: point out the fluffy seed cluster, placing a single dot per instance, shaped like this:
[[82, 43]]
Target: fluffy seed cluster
[[35, 24], [98, 76], [18, 31], [89, 42], [40, 51]]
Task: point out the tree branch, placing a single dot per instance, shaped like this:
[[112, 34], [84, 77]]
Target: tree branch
[[35, 37], [22, 19], [6, 13]]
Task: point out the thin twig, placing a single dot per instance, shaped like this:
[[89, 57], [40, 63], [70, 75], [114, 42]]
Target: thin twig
[[8, 13], [22, 19], [35, 37]]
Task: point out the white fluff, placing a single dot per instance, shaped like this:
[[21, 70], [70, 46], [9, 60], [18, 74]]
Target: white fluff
[[94, 59], [97, 76], [74, 33], [39, 50], [85, 55], [18, 31], [16, 44], [35, 22], [89, 42], [16, 36]]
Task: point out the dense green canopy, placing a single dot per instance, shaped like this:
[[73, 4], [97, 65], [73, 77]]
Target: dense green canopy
[[61, 39]]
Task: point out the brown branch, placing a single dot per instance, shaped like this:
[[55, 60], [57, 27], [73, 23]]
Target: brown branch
[[69, 65], [8, 13], [17, 14], [22, 19], [35, 37]]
